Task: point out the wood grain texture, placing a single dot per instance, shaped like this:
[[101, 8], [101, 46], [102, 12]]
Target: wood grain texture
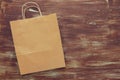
[[90, 34]]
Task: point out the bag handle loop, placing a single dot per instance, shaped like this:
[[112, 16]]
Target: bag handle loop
[[23, 10]]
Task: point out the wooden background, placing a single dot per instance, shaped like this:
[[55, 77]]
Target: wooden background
[[90, 32]]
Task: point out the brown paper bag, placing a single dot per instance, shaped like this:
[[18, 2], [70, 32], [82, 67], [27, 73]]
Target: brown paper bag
[[37, 44]]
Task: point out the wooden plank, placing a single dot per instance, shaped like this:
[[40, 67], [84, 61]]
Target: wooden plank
[[90, 35]]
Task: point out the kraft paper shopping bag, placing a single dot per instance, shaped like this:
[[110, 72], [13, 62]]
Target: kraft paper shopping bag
[[37, 43]]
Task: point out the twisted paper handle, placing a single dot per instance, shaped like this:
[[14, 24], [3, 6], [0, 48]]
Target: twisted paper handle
[[23, 10]]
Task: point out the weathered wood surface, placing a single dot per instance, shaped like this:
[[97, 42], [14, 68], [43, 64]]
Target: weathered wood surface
[[90, 32]]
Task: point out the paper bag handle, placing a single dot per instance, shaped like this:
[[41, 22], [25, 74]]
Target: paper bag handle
[[23, 10]]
